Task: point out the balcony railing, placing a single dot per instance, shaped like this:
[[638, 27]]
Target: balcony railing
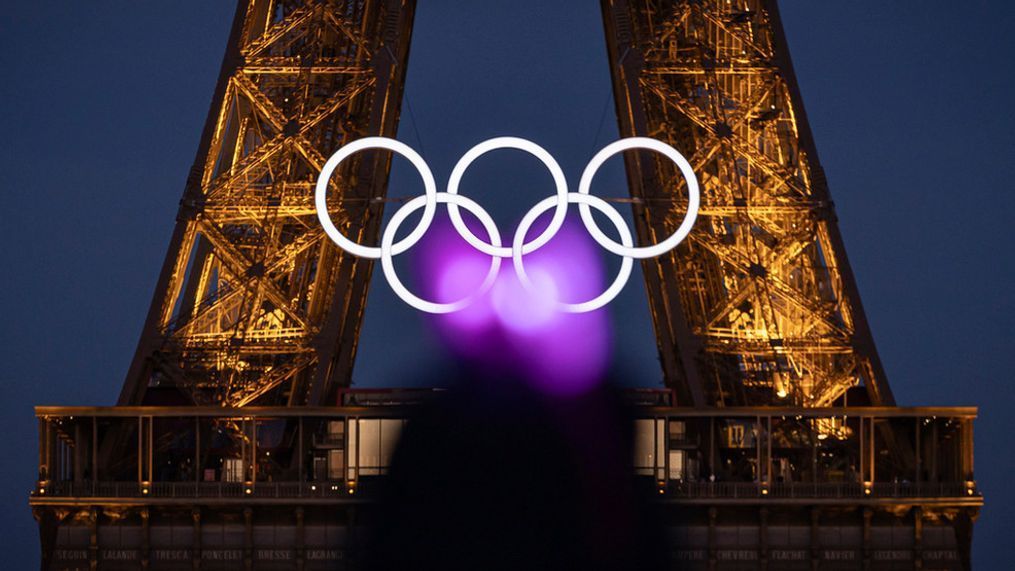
[[335, 490], [820, 491], [329, 452], [194, 490]]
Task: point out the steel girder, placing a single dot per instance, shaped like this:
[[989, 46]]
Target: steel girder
[[254, 303], [759, 305]]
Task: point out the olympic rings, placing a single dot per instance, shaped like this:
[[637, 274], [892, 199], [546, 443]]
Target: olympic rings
[[585, 185], [519, 248], [625, 237], [388, 264], [522, 145], [321, 195]]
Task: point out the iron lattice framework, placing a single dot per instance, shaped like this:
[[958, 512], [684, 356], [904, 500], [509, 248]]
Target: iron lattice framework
[[254, 304], [758, 305]]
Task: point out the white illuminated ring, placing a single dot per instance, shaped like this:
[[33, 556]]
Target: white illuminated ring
[[321, 196], [388, 265], [519, 248], [585, 200], [522, 145], [693, 198]]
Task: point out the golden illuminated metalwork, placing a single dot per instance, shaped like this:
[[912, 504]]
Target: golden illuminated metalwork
[[256, 317], [759, 305], [254, 304]]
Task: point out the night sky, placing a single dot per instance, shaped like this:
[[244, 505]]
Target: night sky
[[103, 104]]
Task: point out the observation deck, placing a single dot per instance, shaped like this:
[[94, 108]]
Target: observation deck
[[896, 483]]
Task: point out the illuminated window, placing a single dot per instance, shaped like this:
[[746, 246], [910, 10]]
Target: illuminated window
[[371, 443], [650, 447], [232, 470]]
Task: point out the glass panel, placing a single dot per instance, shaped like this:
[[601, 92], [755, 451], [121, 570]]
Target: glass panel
[[644, 446], [676, 464]]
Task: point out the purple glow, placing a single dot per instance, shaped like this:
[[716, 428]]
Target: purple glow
[[509, 330]]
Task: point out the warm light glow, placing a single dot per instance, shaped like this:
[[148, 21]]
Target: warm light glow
[[833, 427]]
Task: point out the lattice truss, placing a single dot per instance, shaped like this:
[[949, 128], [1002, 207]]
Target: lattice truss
[[254, 278], [758, 277]]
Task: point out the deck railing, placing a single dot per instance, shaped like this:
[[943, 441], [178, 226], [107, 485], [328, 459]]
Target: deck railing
[[336, 489]]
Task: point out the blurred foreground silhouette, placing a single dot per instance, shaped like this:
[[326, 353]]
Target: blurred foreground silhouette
[[493, 475]]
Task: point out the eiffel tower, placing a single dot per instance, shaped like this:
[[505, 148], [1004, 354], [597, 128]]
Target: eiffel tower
[[238, 442]]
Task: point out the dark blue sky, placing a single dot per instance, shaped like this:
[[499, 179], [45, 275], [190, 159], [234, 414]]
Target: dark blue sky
[[912, 108]]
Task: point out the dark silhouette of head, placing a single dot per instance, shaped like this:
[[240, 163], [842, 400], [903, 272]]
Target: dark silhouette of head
[[494, 475]]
